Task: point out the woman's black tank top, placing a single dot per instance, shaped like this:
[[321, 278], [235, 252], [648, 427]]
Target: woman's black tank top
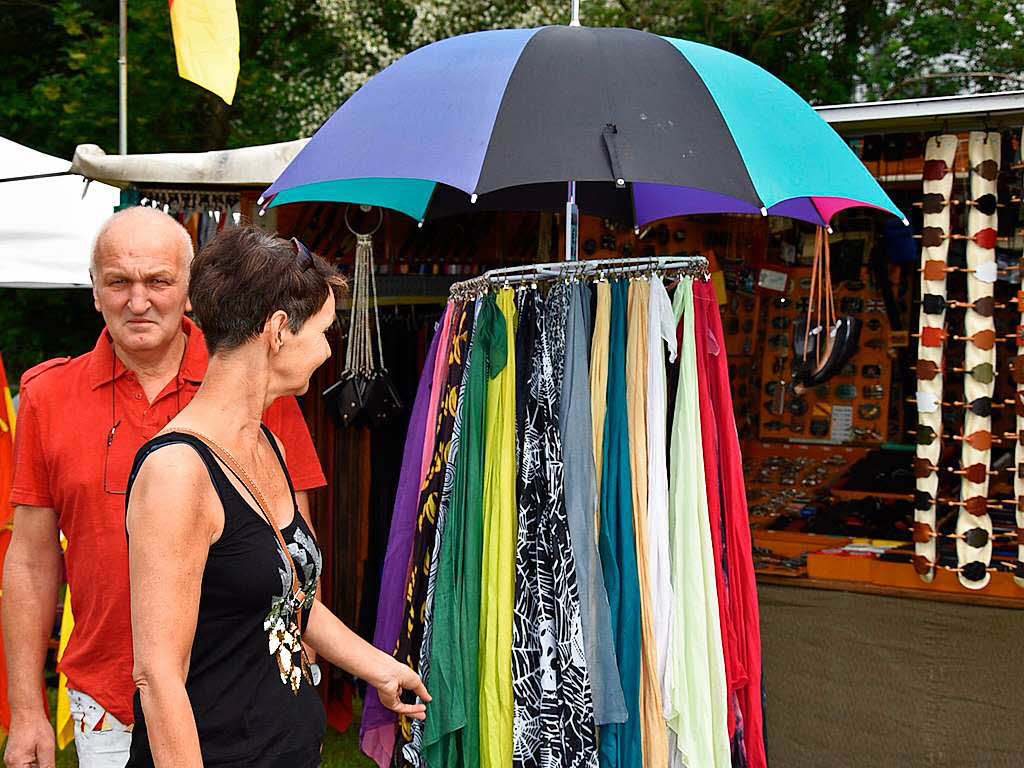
[[246, 715]]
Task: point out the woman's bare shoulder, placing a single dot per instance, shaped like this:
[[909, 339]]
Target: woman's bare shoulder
[[173, 483]]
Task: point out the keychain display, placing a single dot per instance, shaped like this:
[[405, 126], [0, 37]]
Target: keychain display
[[365, 395], [859, 388]]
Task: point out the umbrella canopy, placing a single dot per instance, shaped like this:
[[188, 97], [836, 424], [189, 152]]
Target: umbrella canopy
[[648, 126]]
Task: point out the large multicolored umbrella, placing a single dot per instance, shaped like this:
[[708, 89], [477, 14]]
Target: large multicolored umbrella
[[648, 127]]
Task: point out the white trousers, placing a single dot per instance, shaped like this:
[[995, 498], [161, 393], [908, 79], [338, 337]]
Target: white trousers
[[104, 748]]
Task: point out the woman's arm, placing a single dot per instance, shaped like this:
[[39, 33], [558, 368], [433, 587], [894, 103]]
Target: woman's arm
[[170, 528], [344, 648]]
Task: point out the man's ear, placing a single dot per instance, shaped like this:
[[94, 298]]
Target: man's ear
[[95, 295]]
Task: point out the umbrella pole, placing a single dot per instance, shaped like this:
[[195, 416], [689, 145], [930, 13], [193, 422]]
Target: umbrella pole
[[572, 225]]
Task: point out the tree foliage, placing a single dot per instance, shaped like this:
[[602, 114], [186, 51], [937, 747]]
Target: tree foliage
[[300, 60]]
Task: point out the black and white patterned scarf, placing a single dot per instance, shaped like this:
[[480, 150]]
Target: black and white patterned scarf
[[554, 715]]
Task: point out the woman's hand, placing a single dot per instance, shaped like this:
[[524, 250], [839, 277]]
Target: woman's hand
[[395, 680], [344, 648]]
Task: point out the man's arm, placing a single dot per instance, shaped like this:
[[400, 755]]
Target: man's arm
[[33, 571]]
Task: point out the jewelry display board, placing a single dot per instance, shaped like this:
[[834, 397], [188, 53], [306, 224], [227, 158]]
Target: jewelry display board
[[853, 407]]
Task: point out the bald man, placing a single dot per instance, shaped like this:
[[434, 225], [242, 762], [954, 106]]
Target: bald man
[[80, 423]]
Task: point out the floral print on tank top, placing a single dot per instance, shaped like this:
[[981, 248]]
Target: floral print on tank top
[[281, 624]]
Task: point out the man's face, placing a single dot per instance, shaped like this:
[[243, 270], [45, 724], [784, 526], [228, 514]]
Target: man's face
[[140, 285]]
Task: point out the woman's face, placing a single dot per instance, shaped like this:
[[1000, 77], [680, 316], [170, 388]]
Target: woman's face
[[303, 352]]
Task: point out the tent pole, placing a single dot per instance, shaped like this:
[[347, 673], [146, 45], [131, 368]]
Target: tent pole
[[122, 79]]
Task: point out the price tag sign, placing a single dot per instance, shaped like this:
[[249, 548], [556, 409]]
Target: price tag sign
[[772, 280], [842, 423]]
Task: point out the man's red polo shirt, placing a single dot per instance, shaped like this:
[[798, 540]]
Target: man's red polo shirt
[[62, 460]]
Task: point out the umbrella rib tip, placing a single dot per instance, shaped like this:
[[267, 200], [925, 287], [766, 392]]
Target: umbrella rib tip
[[472, 198], [764, 211]]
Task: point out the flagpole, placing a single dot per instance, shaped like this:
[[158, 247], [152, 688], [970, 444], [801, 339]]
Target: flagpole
[[122, 77]]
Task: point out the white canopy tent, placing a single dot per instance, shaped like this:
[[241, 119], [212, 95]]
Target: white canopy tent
[[47, 225]]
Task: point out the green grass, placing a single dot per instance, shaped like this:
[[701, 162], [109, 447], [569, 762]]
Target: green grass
[[341, 750]]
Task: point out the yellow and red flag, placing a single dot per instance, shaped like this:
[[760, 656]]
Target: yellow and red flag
[[7, 419], [206, 43]]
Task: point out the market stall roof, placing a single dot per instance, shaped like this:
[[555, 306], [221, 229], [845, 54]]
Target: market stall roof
[[942, 113], [48, 223], [245, 167]]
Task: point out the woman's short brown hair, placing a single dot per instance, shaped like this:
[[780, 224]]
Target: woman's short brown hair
[[244, 275]]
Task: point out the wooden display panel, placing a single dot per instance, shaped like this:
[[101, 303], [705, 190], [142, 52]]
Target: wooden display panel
[[857, 397]]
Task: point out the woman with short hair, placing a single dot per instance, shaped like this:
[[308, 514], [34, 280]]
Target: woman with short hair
[[223, 567]]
